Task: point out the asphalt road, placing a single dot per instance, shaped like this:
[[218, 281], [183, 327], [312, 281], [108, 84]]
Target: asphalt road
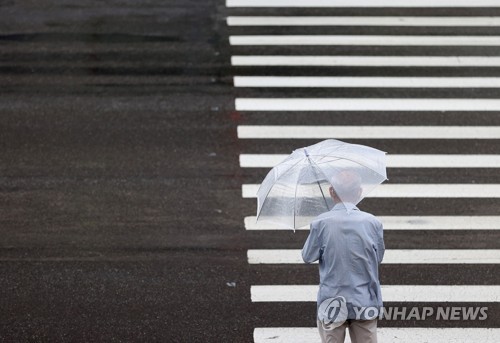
[[120, 188], [119, 181]]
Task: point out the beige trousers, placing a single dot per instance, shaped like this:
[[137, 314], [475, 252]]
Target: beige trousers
[[360, 331]]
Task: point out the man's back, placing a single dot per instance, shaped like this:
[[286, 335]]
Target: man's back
[[349, 246]]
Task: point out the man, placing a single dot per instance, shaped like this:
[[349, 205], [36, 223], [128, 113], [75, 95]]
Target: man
[[349, 245]]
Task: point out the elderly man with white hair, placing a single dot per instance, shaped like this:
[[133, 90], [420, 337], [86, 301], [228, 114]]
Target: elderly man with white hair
[[349, 245]]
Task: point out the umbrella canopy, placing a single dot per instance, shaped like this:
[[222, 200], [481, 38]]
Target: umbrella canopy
[[299, 188]]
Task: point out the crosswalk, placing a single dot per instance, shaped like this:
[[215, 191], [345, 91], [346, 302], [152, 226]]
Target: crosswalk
[[412, 223], [362, 3], [434, 335], [363, 21], [350, 104], [357, 40], [392, 256], [367, 61], [368, 82], [356, 132], [278, 74], [393, 161], [427, 190], [391, 293]]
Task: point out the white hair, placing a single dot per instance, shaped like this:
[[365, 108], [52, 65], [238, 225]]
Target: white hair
[[347, 185]]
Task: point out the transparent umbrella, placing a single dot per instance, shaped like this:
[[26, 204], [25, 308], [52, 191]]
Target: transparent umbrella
[[298, 189]]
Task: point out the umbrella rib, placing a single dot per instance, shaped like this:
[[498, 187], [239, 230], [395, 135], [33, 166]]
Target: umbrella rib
[[270, 188], [350, 159], [295, 202], [321, 190]]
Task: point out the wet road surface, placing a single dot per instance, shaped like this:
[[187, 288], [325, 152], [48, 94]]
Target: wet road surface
[[121, 210]]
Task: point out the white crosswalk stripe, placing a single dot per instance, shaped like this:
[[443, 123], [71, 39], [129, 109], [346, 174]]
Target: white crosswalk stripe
[[362, 21], [390, 293], [408, 223], [367, 132], [423, 46], [367, 61], [349, 104], [357, 40], [392, 256], [393, 161], [426, 190], [362, 3], [368, 82], [386, 334]]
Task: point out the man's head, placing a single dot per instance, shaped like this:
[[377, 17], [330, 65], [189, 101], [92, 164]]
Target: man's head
[[346, 187]]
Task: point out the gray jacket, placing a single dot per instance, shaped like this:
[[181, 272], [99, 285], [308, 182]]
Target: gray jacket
[[349, 245]]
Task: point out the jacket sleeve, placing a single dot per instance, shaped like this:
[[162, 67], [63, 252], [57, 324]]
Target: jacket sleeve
[[311, 252], [380, 242]]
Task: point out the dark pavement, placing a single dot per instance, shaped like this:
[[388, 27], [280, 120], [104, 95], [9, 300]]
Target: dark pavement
[[119, 183], [120, 190]]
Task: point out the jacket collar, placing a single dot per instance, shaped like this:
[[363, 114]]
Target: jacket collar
[[345, 206]]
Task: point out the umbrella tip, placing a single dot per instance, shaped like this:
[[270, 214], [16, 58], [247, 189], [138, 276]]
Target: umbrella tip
[[305, 152]]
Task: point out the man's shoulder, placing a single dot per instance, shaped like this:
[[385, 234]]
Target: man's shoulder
[[323, 216], [369, 215], [371, 218]]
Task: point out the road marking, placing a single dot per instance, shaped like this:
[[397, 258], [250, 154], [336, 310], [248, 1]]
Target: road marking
[[367, 132], [371, 40], [367, 61], [416, 191], [407, 223], [393, 161], [362, 21], [384, 334], [365, 104], [362, 3], [392, 256], [390, 293], [367, 82]]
